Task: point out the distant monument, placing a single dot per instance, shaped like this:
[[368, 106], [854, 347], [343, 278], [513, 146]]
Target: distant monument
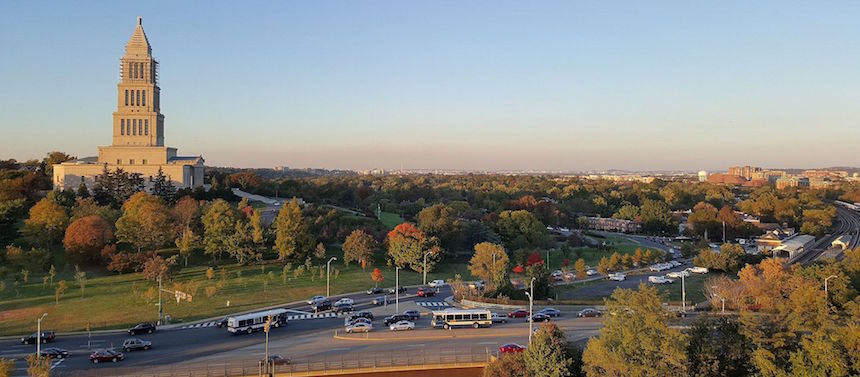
[[138, 129]]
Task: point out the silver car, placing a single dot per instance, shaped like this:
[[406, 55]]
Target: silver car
[[359, 327], [402, 325]]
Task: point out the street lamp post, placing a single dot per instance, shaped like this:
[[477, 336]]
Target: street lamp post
[[39, 336], [397, 289], [825, 283], [425, 267], [723, 299], [531, 295], [683, 295], [327, 274], [268, 327]]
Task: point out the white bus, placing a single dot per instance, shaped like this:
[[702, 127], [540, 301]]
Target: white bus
[[248, 323], [461, 317]]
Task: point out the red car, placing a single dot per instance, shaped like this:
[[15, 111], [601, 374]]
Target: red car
[[511, 348], [106, 355], [426, 293], [519, 313]]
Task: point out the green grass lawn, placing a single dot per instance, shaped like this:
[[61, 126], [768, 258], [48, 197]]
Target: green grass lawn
[[116, 301], [695, 286], [390, 219]]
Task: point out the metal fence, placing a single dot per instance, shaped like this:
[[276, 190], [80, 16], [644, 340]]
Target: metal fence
[[315, 365]]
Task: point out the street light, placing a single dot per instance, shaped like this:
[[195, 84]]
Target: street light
[[425, 267], [267, 327], [825, 284], [531, 305], [683, 295], [39, 335], [327, 274], [722, 299], [397, 289]]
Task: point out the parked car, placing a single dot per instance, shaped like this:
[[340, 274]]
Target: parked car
[[659, 280], [135, 344], [343, 308], [54, 353], [394, 319], [496, 318], [391, 291], [519, 313], [511, 348], [437, 283], [676, 263], [589, 312], [617, 276], [316, 300], [678, 274], [378, 301], [359, 327], [590, 272], [412, 314], [344, 301], [149, 328], [279, 360], [45, 337], [106, 355], [402, 325], [698, 270], [374, 291], [321, 306], [426, 292], [552, 312], [540, 317]]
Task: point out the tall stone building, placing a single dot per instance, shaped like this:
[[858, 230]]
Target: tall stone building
[[138, 129]]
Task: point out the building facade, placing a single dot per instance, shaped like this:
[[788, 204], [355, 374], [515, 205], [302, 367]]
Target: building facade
[[609, 224], [138, 129]]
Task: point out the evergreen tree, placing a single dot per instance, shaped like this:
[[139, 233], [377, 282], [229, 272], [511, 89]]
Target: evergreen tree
[[83, 191], [163, 187]]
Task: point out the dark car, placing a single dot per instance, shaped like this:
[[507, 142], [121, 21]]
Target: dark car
[[395, 318], [519, 313], [552, 312], [374, 291], [413, 314], [426, 292], [391, 291], [278, 360], [221, 323], [325, 305], [135, 344], [589, 312], [54, 353], [106, 355], [47, 336], [364, 314], [540, 317], [143, 328], [511, 348], [343, 308]]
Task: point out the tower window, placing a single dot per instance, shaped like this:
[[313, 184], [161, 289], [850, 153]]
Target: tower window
[[144, 98], [134, 127], [122, 126], [131, 162], [137, 100], [143, 162], [126, 97], [118, 162], [146, 126], [140, 127]]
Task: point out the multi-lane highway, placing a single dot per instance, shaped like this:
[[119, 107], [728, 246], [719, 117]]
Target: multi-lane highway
[[306, 339]]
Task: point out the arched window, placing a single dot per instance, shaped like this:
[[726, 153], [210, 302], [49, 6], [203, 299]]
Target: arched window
[[146, 127], [140, 127], [134, 127], [126, 97], [137, 98], [143, 94], [122, 126]]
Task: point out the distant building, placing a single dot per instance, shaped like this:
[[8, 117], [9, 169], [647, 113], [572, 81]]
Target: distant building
[[703, 176], [726, 179], [773, 238], [793, 246], [799, 182], [613, 225], [746, 172], [819, 183]]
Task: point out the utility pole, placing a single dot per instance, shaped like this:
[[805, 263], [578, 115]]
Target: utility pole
[[160, 311], [397, 289], [531, 295], [39, 336], [724, 232], [683, 295], [327, 274], [425, 267], [266, 328]]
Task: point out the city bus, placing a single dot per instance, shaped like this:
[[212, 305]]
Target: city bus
[[461, 317], [248, 323]]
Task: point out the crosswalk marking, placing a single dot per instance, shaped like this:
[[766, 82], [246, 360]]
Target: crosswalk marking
[[431, 303], [297, 317]]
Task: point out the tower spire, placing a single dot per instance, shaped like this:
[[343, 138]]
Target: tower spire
[[139, 21]]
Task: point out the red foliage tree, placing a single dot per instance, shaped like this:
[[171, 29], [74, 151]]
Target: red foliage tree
[[534, 258], [566, 262], [518, 269], [376, 275], [86, 237]]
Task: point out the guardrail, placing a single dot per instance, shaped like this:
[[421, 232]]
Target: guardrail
[[361, 362]]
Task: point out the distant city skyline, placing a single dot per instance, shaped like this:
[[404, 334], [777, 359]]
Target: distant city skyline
[[553, 86]]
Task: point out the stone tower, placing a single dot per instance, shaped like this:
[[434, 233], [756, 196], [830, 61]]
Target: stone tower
[[138, 120]]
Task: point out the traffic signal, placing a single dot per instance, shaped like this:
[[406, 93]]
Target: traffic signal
[[268, 324]]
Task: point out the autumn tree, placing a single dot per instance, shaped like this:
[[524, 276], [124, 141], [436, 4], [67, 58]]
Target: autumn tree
[[186, 243], [157, 267], [489, 263], [86, 237], [84, 207], [145, 222], [59, 291], [704, 220], [521, 229], [440, 221], [817, 222], [407, 246], [546, 355], [376, 276], [186, 214], [727, 259], [81, 279], [359, 247], [510, 364], [717, 348], [636, 339], [240, 244], [7, 366], [219, 224], [292, 238], [637, 257], [245, 179], [655, 216], [38, 366], [46, 223], [579, 267]]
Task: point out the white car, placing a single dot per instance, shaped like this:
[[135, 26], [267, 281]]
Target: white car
[[402, 325], [436, 283], [698, 270], [678, 274], [656, 268], [659, 280], [316, 300], [675, 263], [591, 272], [359, 327], [344, 301], [557, 273], [618, 276]]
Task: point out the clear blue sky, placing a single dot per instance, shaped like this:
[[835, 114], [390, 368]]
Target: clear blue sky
[[471, 85]]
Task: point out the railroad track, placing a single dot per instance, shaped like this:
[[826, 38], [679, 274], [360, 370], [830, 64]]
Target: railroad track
[[848, 224]]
